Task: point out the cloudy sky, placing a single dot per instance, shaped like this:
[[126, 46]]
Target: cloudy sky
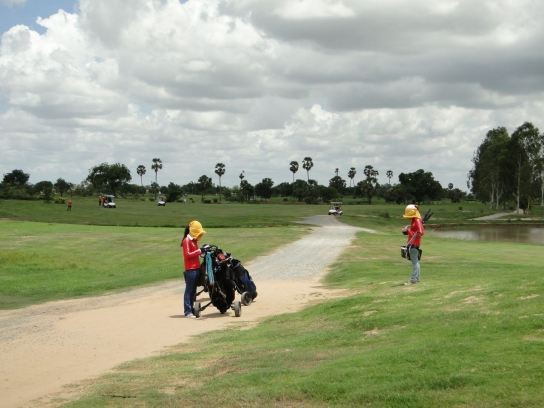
[[254, 84]]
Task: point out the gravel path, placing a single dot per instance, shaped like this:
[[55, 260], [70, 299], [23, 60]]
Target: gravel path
[[44, 348]]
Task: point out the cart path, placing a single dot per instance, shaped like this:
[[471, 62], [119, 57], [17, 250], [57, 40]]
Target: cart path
[[46, 347]]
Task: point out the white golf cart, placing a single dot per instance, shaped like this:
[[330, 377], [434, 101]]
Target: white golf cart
[[108, 201], [161, 202], [335, 208]]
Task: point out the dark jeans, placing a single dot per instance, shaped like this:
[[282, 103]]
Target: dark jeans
[[191, 277]]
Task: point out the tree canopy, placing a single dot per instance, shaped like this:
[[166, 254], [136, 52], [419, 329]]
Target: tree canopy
[[110, 177]]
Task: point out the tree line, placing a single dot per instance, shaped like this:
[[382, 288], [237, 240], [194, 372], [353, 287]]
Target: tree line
[[508, 169], [115, 179]]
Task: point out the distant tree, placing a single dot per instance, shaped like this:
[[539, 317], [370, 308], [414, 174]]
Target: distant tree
[[44, 189], [389, 174], [525, 145], [204, 185], [173, 192], [351, 174], [156, 166], [16, 178], [300, 189], [283, 189], [242, 176], [490, 179], [219, 170], [419, 186], [338, 183], [62, 186], [264, 188], [450, 186], [246, 190], [369, 185], [109, 176], [328, 193], [155, 189], [307, 165], [336, 170], [293, 167], [141, 170]]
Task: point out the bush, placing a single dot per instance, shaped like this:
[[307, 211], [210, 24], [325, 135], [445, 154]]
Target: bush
[[60, 201]]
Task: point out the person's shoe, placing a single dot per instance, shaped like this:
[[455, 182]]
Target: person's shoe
[[414, 282], [190, 316]]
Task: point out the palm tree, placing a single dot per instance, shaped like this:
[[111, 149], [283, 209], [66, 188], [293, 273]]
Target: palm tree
[[141, 171], [336, 172], [156, 166], [389, 174], [219, 170], [351, 174], [307, 164], [294, 168], [242, 175]]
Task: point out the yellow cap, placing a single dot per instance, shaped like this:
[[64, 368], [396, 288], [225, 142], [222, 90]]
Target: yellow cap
[[196, 230], [411, 211]]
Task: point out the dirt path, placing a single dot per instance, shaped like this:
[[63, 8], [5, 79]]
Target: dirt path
[[48, 346], [496, 216]]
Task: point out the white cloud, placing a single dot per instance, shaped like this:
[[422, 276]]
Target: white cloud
[[255, 84]]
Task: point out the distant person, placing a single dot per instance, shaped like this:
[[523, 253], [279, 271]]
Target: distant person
[[69, 205], [414, 231], [100, 200], [191, 252]]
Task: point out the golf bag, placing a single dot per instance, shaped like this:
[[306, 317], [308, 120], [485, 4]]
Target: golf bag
[[215, 279], [242, 279]]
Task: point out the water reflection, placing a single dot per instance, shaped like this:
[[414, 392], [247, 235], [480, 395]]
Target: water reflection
[[514, 233]]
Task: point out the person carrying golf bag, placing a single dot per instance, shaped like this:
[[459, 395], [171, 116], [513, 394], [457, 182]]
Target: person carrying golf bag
[[414, 231]]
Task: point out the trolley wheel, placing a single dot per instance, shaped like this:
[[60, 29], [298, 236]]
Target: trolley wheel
[[237, 306], [246, 299], [197, 308]]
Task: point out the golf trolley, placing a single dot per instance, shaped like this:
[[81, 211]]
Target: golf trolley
[[221, 276]]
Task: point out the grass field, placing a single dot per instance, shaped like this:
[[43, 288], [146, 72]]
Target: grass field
[[470, 335], [42, 261], [147, 214]]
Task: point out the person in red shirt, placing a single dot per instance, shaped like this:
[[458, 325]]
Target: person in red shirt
[[69, 205], [415, 231], [191, 259]]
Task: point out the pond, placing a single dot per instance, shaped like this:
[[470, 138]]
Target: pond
[[533, 234]]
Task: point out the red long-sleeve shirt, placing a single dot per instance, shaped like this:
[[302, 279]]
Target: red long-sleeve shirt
[[191, 253], [416, 226]]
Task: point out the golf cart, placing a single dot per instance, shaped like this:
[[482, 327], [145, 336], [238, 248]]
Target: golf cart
[[335, 208], [161, 202], [108, 201]]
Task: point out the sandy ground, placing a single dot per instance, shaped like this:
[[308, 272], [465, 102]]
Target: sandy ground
[[44, 348]]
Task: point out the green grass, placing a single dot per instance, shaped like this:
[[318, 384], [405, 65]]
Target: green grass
[[470, 335], [147, 214], [41, 261], [131, 212]]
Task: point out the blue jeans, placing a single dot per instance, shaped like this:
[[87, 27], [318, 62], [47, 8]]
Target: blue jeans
[[191, 277], [416, 267]]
